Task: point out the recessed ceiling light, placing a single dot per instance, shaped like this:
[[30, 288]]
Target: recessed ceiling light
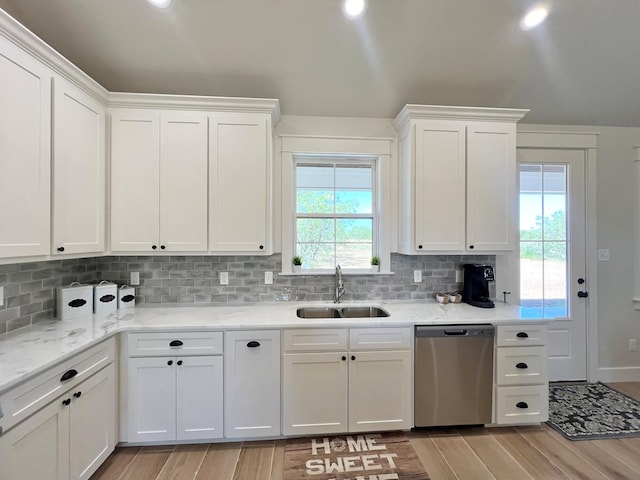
[[534, 17], [354, 8], [160, 3]]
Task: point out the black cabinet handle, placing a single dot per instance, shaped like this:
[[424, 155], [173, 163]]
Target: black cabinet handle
[[153, 247], [420, 247], [253, 344], [66, 402], [170, 362], [261, 247], [522, 405], [353, 357], [68, 375], [61, 249], [522, 335], [471, 247], [344, 358], [162, 247], [522, 365], [77, 394], [176, 343], [179, 362]]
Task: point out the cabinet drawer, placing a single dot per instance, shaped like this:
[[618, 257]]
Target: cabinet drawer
[[521, 365], [517, 335], [391, 338], [315, 339], [515, 405], [185, 343], [23, 400]]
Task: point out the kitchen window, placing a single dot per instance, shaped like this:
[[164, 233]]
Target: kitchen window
[[335, 219]]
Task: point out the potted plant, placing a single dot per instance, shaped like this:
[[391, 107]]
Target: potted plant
[[297, 264], [375, 263]]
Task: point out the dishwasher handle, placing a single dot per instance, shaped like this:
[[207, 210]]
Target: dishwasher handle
[[461, 332], [443, 331]]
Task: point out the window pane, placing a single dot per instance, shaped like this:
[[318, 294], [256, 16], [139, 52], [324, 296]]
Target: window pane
[[316, 255], [555, 279], [531, 274], [354, 178], [314, 201], [354, 201], [315, 230], [354, 255], [354, 230], [314, 177], [555, 202], [530, 202]]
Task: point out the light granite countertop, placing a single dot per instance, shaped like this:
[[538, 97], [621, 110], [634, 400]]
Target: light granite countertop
[[32, 350]]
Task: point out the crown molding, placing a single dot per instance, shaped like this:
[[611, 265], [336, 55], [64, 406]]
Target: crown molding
[[469, 114], [19, 35], [268, 106]]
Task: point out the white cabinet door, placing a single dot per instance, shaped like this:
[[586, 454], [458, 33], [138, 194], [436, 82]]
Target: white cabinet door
[[314, 393], [92, 419], [439, 186], [183, 182], [491, 186], [38, 448], [240, 169], [199, 397], [135, 180], [78, 171], [25, 160], [380, 391], [151, 399], [252, 384]]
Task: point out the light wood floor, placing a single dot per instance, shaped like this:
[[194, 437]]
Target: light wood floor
[[476, 454]]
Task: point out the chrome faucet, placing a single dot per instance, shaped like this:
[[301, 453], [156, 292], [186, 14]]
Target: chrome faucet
[[339, 291]]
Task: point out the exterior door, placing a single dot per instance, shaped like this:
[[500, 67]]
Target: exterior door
[[553, 281]]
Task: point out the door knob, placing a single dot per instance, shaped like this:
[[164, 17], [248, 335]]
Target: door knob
[[582, 294]]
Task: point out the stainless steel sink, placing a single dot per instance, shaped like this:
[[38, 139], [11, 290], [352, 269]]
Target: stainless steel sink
[[341, 312]]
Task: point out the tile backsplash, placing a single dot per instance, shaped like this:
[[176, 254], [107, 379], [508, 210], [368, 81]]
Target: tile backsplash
[[29, 288]]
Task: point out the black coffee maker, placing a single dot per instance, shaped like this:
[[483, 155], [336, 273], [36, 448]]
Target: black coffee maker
[[475, 290]]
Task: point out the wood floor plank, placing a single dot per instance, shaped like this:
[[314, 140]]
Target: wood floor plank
[[255, 461], [277, 465], [431, 458], [116, 464], [529, 458], [493, 455], [629, 388], [463, 461], [183, 463], [608, 464], [220, 461], [147, 463], [627, 450], [574, 465]]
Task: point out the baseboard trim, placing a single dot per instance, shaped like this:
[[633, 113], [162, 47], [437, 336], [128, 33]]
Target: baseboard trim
[[619, 374]]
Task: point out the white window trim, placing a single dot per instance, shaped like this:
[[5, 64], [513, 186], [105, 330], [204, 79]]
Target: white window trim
[[381, 149]]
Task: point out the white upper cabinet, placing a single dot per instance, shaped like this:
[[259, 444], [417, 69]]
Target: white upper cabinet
[[158, 181], [240, 181], [457, 179], [78, 170], [25, 159]]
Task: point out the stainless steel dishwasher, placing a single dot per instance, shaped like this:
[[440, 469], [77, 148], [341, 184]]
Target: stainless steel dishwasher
[[453, 375]]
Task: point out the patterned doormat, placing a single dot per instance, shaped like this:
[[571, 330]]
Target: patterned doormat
[[386, 456], [592, 411]]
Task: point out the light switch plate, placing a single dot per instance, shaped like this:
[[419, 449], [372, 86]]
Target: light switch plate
[[1, 296], [135, 278], [268, 278], [417, 276], [224, 278], [603, 254]]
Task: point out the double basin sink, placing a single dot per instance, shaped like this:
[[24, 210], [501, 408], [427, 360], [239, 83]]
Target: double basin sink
[[341, 312]]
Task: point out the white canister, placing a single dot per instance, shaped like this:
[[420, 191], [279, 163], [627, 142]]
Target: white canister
[[74, 301], [105, 298], [126, 297]]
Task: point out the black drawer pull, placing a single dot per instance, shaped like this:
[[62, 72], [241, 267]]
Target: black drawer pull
[[344, 358], [176, 343], [522, 365], [522, 405], [353, 357], [77, 394], [179, 362], [66, 402], [170, 362], [522, 335], [68, 375], [253, 344]]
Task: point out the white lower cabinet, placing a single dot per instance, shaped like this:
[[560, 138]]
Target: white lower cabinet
[[67, 439], [252, 384], [174, 397], [347, 390]]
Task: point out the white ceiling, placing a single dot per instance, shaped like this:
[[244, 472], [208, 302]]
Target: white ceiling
[[581, 67]]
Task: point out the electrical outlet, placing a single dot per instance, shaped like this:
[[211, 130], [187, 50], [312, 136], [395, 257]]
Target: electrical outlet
[[1, 296], [633, 345], [603, 255], [459, 276], [224, 278], [268, 278], [417, 276], [135, 278]]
